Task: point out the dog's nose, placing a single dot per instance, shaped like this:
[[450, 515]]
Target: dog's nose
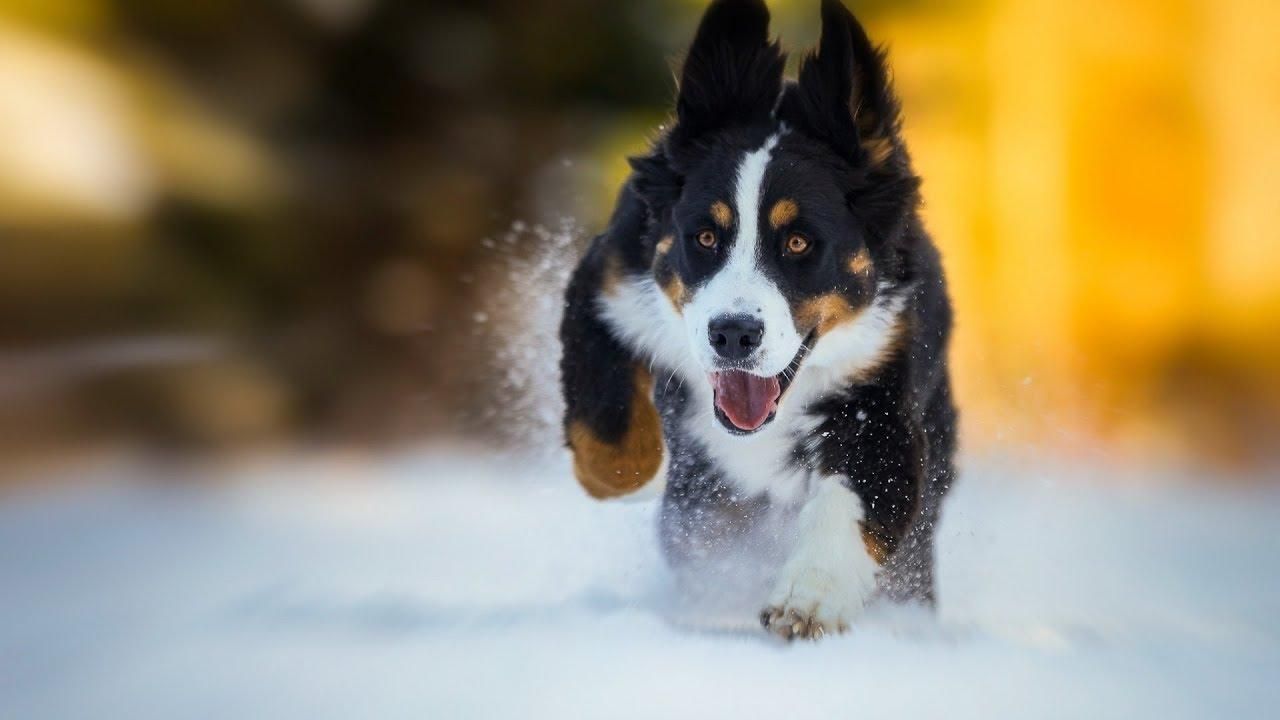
[[735, 336]]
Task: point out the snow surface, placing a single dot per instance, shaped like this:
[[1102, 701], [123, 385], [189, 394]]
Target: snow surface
[[438, 585]]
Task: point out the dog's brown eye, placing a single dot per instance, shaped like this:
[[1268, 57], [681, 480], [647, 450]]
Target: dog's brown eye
[[707, 239], [797, 245]]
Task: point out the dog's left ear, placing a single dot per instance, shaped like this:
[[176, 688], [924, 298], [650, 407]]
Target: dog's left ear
[[843, 96]]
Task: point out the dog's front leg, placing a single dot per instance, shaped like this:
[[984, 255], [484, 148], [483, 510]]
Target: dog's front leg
[[831, 572], [611, 424]]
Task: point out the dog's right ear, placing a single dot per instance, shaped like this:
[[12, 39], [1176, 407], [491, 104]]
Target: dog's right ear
[[655, 181], [732, 73]]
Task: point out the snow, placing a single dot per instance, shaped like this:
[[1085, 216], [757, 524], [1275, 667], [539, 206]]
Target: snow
[[441, 584]]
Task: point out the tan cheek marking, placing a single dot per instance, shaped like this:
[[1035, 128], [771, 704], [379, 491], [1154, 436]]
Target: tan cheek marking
[[667, 279], [860, 263], [664, 246], [721, 213], [673, 288], [878, 149], [826, 312], [608, 470], [783, 212]]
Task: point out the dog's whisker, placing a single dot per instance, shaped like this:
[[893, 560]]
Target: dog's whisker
[[667, 386], [683, 371]]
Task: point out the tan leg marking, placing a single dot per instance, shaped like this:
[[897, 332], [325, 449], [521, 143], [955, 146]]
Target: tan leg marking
[[877, 547], [608, 470]]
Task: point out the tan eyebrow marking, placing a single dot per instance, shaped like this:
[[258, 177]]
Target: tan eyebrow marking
[[783, 212], [721, 213], [664, 246], [860, 263], [608, 469]]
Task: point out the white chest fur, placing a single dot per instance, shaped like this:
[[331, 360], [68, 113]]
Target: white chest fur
[[643, 318]]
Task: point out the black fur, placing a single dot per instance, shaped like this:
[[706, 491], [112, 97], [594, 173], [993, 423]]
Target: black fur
[[731, 77], [891, 434], [843, 95], [597, 376]]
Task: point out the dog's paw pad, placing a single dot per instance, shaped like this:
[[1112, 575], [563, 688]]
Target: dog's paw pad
[[790, 623]]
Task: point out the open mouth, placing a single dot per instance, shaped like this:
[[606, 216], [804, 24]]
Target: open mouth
[[746, 402]]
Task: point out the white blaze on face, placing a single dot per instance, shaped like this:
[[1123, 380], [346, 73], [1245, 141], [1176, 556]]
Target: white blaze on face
[[739, 287]]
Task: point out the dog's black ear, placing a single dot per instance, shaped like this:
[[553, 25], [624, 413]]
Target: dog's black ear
[[843, 96], [655, 182], [732, 74]]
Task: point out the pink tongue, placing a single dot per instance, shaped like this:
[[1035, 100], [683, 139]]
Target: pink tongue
[[746, 399]]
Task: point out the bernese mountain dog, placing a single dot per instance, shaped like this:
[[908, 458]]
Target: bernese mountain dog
[[762, 331]]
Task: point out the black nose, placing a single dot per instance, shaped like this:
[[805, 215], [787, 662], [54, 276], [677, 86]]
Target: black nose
[[735, 336]]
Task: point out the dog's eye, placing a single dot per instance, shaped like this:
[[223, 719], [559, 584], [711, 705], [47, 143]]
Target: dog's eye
[[797, 245], [706, 239]]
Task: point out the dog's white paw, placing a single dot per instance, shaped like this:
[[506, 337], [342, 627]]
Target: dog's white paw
[[816, 602], [830, 575]]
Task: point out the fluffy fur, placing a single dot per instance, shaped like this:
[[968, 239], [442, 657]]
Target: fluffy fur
[[787, 213]]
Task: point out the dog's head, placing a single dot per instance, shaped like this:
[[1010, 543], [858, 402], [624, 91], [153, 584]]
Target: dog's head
[[775, 211]]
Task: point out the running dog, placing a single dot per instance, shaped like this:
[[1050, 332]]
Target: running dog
[[764, 325]]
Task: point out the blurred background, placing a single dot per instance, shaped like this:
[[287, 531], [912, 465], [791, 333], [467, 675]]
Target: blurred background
[[233, 226], [279, 413]]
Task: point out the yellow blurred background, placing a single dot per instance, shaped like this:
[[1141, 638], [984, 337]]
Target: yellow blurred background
[[232, 224]]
